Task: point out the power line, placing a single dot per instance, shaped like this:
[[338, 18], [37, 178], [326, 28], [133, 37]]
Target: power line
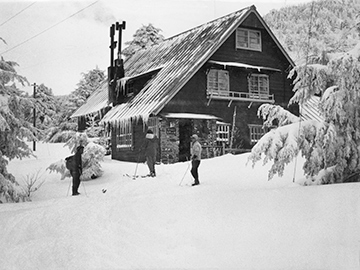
[[17, 14], [47, 29]]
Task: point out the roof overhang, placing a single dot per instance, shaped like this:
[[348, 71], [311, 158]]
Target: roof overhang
[[190, 116], [243, 65], [95, 103]]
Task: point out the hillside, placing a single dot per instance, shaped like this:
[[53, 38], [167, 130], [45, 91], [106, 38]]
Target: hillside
[[327, 26]]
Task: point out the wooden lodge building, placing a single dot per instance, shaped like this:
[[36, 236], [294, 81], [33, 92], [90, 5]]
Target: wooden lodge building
[[209, 80]]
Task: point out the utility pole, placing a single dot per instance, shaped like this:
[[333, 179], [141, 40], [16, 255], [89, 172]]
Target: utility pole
[[34, 116]]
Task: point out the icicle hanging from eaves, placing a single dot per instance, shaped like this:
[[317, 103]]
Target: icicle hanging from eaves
[[121, 85]]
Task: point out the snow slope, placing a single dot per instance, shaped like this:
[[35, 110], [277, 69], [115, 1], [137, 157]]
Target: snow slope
[[235, 219]]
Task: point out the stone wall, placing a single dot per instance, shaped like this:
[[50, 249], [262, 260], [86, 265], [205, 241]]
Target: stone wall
[[169, 141]]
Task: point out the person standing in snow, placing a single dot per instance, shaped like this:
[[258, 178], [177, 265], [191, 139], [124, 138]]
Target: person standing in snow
[[150, 147], [195, 152], [77, 170]]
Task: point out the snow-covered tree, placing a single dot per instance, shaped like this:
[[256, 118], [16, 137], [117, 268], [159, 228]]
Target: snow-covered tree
[[144, 37], [331, 147], [14, 129], [89, 82], [91, 158], [64, 127]]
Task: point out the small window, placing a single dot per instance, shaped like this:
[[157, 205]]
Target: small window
[[258, 86], [124, 136], [256, 132], [248, 39], [218, 80], [130, 89], [222, 132], [153, 125]]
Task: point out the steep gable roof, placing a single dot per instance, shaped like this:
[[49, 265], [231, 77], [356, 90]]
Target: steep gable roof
[[178, 59]]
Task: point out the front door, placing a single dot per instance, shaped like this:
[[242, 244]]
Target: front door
[[185, 132]]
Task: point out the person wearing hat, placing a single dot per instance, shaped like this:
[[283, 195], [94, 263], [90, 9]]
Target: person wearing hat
[[195, 158], [150, 147], [77, 171]]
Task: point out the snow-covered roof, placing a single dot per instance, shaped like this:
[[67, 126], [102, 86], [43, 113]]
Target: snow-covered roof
[[97, 101], [177, 59]]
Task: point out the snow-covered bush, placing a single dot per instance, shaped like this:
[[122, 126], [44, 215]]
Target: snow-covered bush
[[92, 156], [331, 147], [32, 183]]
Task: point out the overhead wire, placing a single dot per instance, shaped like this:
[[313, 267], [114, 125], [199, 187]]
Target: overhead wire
[[49, 28], [17, 14]]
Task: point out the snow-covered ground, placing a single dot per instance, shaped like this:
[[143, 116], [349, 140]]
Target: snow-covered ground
[[236, 219]]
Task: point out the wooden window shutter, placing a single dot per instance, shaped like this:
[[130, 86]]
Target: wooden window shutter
[[223, 79], [212, 82]]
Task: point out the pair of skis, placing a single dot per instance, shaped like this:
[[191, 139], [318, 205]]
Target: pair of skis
[[136, 176]]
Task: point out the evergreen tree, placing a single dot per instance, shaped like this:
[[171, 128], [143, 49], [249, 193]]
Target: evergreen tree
[[65, 127], [144, 37], [89, 82], [309, 32], [331, 147], [14, 129]]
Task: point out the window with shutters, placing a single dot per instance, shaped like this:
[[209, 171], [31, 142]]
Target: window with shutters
[[248, 39], [258, 85], [218, 80]]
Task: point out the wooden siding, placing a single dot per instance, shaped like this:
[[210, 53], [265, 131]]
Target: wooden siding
[[136, 152]]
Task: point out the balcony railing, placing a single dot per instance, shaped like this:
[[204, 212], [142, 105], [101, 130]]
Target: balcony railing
[[239, 96]]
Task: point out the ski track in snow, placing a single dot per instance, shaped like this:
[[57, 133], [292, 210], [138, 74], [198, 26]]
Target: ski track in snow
[[235, 219]]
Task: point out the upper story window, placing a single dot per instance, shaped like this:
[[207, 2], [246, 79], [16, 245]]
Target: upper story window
[[218, 79], [248, 39], [258, 85]]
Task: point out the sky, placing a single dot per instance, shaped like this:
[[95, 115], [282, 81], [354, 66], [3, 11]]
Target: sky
[[54, 42]]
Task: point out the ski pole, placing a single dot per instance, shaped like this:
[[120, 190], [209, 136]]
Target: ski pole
[[137, 164], [67, 194], [184, 174], [84, 188]]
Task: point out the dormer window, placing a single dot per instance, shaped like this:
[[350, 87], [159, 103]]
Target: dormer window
[[248, 39], [129, 88]]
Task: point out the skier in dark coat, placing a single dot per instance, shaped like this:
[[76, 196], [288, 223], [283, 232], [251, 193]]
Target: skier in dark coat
[[77, 171], [150, 147]]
